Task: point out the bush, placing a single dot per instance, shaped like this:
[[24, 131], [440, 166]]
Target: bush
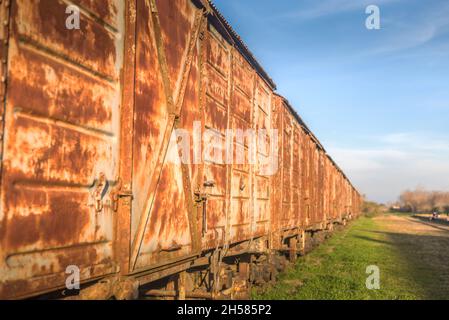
[[371, 209]]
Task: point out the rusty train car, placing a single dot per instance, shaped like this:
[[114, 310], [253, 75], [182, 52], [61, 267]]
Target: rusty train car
[[87, 131]]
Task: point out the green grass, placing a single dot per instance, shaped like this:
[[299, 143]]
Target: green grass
[[337, 269]]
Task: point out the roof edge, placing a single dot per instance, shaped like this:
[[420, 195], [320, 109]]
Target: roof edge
[[228, 32]]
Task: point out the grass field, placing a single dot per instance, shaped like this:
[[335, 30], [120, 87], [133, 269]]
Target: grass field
[[412, 255]]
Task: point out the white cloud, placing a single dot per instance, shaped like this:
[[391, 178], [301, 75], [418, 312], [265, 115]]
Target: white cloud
[[400, 33], [361, 160], [401, 161], [414, 30], [415, 141], [317, 9]]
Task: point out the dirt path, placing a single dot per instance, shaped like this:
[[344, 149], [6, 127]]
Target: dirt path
[[425, 245]]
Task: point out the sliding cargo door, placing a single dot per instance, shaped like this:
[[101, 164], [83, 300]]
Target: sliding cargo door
[[60, 143], [276, 198], [296, 175], [287, 169], [241, 166], [213, 182], [315, 182], [321, 193], [307, 179], [167, 75], [266, 165]]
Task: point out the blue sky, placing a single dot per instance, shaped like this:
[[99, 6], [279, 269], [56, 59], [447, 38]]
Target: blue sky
[[378, 100]]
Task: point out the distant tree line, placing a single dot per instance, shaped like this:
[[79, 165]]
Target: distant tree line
[[421, 200]]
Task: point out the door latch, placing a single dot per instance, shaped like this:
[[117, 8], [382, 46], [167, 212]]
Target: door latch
[[201, 200], [118, 193]]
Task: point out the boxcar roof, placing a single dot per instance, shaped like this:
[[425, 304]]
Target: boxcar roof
[[223, 26]]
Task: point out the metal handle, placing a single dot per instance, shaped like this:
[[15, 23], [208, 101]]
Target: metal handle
[[204, 217], [209, 184], [201, 199]]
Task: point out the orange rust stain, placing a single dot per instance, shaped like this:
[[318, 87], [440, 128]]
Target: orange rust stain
[[216, 86], [51, 153], [176, 18], [241, 106], [218, 56], [150, 106], [61, 225], [168, 224], [76, 99], [72, 76], [42, 23], [106, 10]]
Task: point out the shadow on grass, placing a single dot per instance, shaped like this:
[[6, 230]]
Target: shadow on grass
[[413, 265], [427, 259], [372, 239]]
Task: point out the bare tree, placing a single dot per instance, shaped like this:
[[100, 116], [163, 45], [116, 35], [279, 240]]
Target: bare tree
[[420, 200]]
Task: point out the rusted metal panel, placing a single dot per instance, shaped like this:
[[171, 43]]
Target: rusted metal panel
[[296, 175], [286, 183], [321, 193], [177, 19], [276, 179], [335, 193], [218, 57], [302, 216], [265, 165], [340, 196], [93, 46], [328, 188], [243, 75], [94, 123], [167, 51], [5, 8], [60, 158], [242, 112], [331, 191], [315, 183], [109, 12], [123, 193], [287, 146], [305, 204], [216, 73], [309, 181]]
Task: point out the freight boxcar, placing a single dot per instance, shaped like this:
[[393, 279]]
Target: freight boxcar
[[107, 169]]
